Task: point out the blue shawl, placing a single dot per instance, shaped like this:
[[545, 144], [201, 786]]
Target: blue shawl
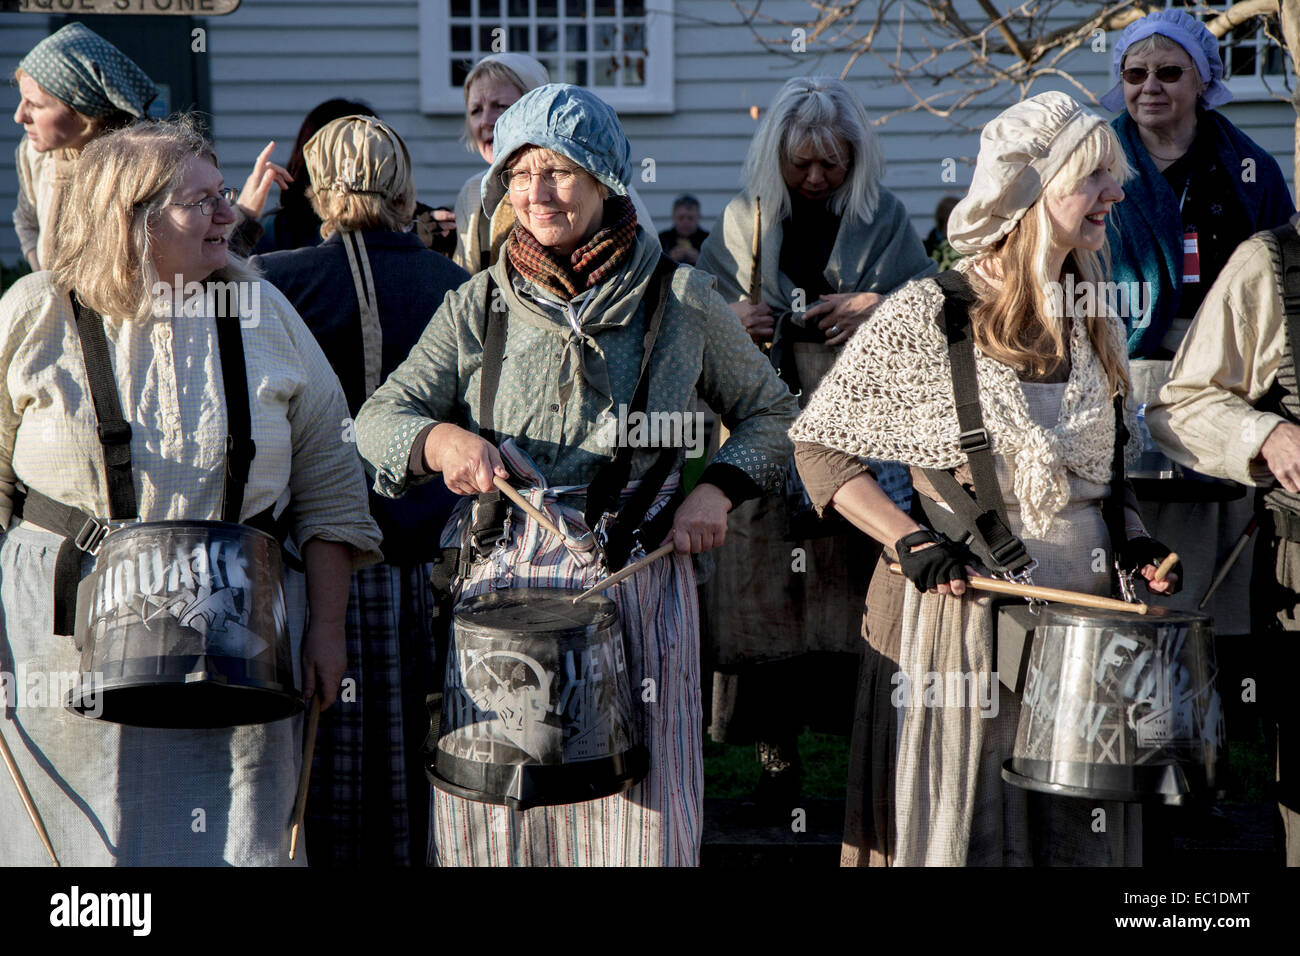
[[1145, 231]]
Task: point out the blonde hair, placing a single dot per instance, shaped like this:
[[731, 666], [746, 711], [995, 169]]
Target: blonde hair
[[1020, 324], [343, 211], [815, 111], [490, 71], [122, 182]]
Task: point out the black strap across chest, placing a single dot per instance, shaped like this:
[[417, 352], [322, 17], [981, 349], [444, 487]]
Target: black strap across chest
[[984, 516], [115, 431], [604, 490]]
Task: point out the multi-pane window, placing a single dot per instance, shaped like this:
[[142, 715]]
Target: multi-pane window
[[622, 49]]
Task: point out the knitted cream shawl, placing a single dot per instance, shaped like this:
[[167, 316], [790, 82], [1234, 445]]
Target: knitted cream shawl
[[889, 396]]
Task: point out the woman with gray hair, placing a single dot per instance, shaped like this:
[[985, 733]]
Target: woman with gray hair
[[141, 245], [529, 371], [366, 293], [803, 254]]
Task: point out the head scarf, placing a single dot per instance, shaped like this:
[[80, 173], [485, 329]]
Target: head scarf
[[1190, 34], [528, 71], [358, 154], [567, 120], [1020, 151], [89, 74]]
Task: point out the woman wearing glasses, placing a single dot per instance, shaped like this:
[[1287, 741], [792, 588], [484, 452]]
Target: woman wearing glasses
[[147, 212], [1200, 187], [74, 86], [572, 281]]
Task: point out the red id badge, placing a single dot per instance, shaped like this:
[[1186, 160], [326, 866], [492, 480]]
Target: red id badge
[[1191, 257]]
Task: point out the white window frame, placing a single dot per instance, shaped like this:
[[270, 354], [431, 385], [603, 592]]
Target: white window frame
[[1244, 89], [439, 97]]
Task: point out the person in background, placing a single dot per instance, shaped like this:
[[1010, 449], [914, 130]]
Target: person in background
[[682, 242], [148, 203], [937, 246], [1231, 408], [294, 224], [495, 83], [1201, 187], [75, 86], [366, 292], [785, 634]]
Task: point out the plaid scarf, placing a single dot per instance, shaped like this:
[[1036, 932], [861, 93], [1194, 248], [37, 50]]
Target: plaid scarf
[[589, 264]]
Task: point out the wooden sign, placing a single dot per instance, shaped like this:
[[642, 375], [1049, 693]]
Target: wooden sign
[[210, 8]]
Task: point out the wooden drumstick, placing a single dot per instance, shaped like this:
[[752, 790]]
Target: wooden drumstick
[[585, 543], [25, 795], [1057, 595], [304, 775], [756, 251], [1166, 565], [627, 572]]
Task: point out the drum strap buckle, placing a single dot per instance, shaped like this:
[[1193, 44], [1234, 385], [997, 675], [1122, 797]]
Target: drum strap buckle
[[91, 535]]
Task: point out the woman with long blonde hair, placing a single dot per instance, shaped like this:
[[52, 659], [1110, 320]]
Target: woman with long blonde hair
[[1050, 362]]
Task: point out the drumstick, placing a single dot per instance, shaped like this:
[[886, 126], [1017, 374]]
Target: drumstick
[[304, 775], [756, 249], [26, 797], [627, 572], [1228, 562], [1058, 595], [585, 543], [1170, 560]]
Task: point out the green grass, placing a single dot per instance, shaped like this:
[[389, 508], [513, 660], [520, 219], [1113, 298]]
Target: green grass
[[731, 771]]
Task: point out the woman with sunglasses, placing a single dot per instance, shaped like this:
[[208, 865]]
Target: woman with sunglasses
[[1202, 185], [1200, 188]]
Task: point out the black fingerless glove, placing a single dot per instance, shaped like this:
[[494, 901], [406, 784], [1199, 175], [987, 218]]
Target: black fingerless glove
[[929, 567], [1139, 552]]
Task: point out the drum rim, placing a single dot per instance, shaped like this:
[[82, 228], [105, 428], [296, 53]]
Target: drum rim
[[1074, 615], [154, 526], [608, 610]]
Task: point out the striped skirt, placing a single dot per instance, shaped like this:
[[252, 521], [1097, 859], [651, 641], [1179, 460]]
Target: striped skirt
[[655, 823]]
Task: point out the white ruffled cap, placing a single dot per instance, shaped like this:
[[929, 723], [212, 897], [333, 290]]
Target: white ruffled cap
[[1020, 151]]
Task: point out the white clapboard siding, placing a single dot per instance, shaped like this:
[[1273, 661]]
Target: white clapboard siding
[[273, 60]]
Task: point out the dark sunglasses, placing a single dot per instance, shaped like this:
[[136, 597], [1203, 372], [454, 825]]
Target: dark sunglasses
[[1136, 76]]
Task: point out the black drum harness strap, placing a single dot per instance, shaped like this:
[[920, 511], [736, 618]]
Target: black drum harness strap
[[1287, 523], [84, 532], [619, 530], [980, 520]]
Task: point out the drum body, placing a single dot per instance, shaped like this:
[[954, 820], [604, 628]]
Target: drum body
[[1120, 707], [183, 624], [1156, 476], [537, 708]]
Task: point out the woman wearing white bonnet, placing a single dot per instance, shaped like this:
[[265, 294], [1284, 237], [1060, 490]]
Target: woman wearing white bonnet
[[1048, 174]]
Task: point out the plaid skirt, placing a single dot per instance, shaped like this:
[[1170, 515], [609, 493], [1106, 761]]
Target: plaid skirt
[[658, 821], [368, 801]]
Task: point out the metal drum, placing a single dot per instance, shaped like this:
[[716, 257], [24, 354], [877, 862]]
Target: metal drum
[[537, 709], [1120, 707], [183, 624], [1156, 476]]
